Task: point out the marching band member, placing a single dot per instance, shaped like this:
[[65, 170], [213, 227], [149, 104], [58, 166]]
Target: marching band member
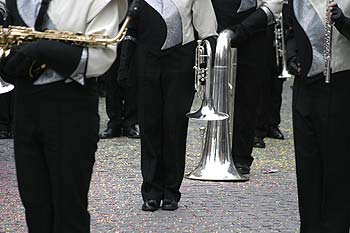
[[269, 109], [320, 118], [268, 116], [6, 115], [165, 51], [121, 97], [54, 163], [6, 99], [249, 21]]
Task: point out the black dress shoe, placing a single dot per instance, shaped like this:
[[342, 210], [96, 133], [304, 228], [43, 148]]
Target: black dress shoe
[[275, 133], [259, 142], [242, 168], [132, 131], [151, 205], [110, 133], [4, 134], [169, 205]]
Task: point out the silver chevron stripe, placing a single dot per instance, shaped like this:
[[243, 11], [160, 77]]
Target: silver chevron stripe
[[172, 18], [310, 21], [246, 5], [3, 10], [29, 10]]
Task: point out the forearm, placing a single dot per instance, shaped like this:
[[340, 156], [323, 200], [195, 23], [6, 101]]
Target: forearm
[[344, 27]]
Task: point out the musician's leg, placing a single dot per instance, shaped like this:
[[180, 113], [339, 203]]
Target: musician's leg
[[151, 121], [5, 115], [308, 160], [178, 96], [31, 167], [69, 156], [336, 156], [246, 103]]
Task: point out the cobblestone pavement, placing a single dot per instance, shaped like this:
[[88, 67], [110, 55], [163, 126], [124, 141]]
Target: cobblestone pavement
[[267, 203]]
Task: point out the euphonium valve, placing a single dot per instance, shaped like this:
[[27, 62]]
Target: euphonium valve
[[203, 80]]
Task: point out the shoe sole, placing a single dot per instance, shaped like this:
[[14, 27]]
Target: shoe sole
[[169, 209]]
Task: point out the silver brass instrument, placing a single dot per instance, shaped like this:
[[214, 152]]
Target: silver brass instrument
[[5, 87], [328, 44], [281, 47], [203, 80], [216, 162]]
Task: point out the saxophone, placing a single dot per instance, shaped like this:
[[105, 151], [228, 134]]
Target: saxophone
[[16, 35], [328, 44]]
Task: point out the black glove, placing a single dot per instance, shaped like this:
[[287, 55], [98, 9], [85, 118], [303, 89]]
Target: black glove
[[15, 65], [342, 23], [337, 14], [134, 9], [240, 35], [27, 58], [255, 22], [293, 66], [212, 41]]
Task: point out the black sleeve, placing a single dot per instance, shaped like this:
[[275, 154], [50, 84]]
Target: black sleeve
[[128, 45], [344, 27], [126, 56], [59, 56], [255, 22], [291, 46]]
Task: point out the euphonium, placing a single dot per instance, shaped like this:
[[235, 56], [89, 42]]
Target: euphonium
[[217, 163]]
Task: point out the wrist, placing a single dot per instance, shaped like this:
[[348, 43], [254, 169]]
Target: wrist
[[339, 23]]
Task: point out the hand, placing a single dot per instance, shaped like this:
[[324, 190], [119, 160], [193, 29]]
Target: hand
[[17, 63], [293, 66], [240, 35], [336, 14]]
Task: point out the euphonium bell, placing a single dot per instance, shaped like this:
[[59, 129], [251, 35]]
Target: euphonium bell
[[203, 63], [5, 87]]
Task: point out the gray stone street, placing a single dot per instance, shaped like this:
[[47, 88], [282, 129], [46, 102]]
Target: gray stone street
[[267, 203]]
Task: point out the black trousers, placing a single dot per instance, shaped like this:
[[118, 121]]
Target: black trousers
[[251, 66], [166, 91], [121, 99], [54, 164], [321, 135], [270, 100], [6, 111]]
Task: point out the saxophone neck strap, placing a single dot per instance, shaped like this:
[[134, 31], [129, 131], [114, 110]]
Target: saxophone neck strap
[[41, 16]]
